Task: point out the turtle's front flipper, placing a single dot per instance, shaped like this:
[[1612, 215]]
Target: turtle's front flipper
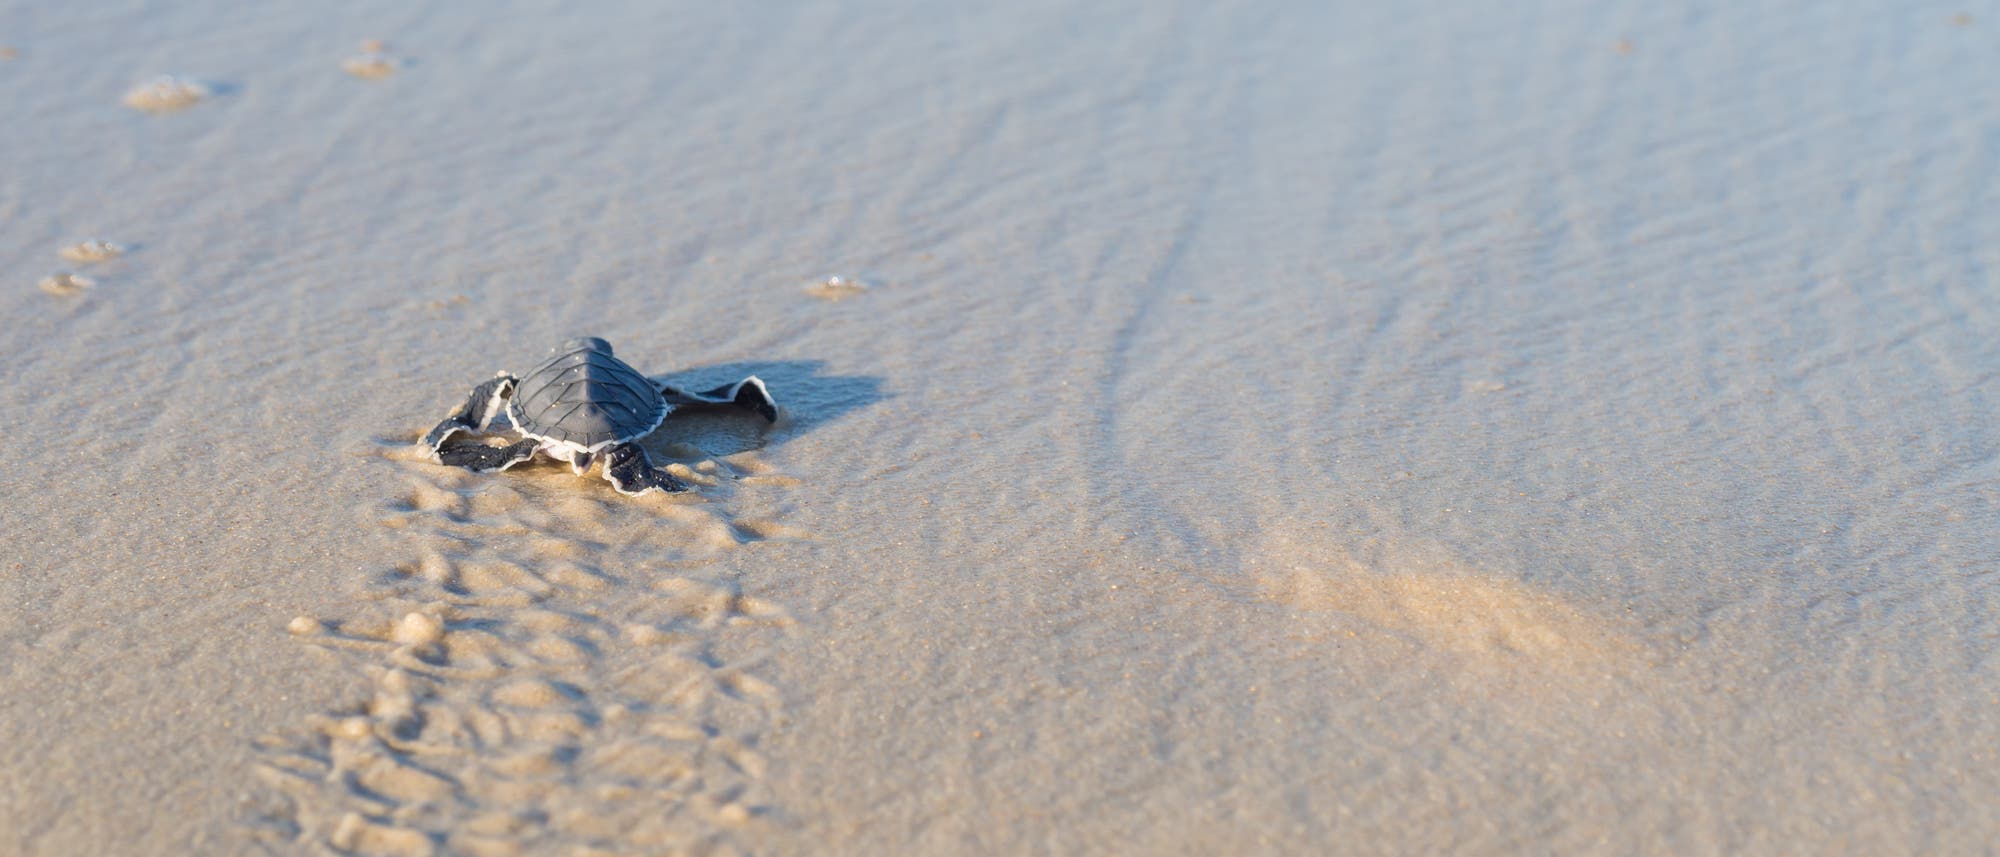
[[747, 393], [480, 458], [631, 472], [475, 415]]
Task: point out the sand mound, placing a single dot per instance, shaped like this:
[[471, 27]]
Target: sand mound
[[1441, 604]]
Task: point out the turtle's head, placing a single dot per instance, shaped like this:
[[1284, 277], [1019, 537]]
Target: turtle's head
[[584, 343]]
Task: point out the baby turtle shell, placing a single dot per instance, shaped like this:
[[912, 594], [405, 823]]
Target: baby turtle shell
[[578, 406], [584, 396]]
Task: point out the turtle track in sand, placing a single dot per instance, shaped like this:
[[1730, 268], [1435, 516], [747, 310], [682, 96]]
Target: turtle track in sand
[[550, 672]]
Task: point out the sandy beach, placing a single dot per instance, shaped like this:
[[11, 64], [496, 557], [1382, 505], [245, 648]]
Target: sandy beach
[[1235, 428]]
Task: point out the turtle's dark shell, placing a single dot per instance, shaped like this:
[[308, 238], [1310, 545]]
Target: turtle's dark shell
[[585, 396]]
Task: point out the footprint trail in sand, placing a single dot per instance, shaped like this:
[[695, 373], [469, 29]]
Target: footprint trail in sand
[[551, 671]]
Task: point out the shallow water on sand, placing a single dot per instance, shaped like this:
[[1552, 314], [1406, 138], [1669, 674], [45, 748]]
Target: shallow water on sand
[[1465, 429]]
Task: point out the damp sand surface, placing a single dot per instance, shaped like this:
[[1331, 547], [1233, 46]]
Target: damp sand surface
[[1266, 429]]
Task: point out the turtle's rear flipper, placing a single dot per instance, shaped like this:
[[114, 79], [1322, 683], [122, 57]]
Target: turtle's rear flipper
[[480, 458], [632, 473], [475, 415], [747, 393]]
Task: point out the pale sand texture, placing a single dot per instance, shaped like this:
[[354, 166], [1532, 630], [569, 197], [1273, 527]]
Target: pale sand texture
[[1462, 428]]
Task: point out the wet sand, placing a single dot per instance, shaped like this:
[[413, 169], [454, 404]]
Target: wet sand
[[1467, 429]]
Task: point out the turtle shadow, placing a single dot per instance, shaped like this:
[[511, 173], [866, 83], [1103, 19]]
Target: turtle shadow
[[807, 398]]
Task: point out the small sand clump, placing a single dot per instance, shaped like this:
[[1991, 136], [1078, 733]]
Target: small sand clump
[[166, 93], [373, 63], [837, 288], [419, 629], [86, 252], [65, 283], [369, 66]]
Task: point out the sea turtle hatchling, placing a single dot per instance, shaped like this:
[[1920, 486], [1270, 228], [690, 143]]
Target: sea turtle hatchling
[[579, 404]]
